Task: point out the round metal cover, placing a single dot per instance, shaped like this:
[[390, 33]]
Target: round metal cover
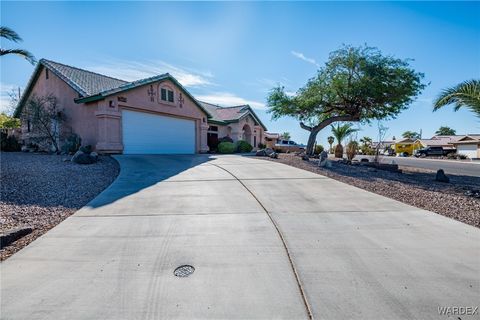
[[184, 271]]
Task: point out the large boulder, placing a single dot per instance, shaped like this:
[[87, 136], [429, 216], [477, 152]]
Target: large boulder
[[261, 153], [81, 157], [269, 151], [441, 177]]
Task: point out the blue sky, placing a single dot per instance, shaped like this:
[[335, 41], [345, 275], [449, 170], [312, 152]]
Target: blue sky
[[232, 53]]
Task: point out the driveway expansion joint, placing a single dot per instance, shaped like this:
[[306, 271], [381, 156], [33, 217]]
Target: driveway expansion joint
[[282, 238]]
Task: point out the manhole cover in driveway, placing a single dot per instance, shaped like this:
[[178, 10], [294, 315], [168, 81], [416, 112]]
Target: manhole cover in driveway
[[184, 271]]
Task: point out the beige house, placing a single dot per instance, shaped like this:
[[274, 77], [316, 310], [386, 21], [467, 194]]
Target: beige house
[[469, 145], [155, 115]]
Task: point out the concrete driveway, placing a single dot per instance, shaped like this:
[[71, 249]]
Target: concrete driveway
[[266, 241]]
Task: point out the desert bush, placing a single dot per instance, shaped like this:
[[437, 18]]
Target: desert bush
[[9, 143], [461, 156], [318, 149], [72, 144], [226, 147], [352, 148], [243, 146]]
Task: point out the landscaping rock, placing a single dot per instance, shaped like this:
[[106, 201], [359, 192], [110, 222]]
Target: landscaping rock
[[261, 153], [269, 151], [82, 158], [273, 155], [441, 177], [94, 156], [13, 235]]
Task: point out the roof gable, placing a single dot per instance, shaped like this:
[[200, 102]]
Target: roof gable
[[92, 86], [227, 115]]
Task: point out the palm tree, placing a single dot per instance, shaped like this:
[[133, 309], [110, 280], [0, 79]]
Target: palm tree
[[445, 131], [411, 135], [11, 35], [340, 132], [285, 136], [330, 140], [465, 94]]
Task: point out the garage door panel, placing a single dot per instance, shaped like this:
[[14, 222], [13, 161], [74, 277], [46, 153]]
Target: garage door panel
[[146, 133], [468, 150]]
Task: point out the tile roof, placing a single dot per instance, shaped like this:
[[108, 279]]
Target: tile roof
[[84, 82], [225, 113], [229, 114], [93, 86]]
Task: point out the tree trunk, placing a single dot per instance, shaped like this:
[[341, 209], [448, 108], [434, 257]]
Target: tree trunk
[[339, 151], [316, 129], [311, 142]]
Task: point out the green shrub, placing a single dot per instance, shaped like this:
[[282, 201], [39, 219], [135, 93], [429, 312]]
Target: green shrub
[[72, 144], [226, 147], [243, 146], [225, 139], [261, 146], [318, 149], [9, 143]]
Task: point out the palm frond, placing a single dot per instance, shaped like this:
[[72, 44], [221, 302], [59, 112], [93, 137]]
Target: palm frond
[[9, 34], [23, 53], [465, 94]]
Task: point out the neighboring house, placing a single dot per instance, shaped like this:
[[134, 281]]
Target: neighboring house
[[238, 123], [153, 115], [446, 142], [469, 145], [271, 139]]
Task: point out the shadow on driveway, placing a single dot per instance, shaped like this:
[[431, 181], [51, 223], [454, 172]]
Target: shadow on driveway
[[138, 172]]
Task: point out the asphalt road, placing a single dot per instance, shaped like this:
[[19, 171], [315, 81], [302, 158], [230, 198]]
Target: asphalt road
[[267, 241], [449, 166]]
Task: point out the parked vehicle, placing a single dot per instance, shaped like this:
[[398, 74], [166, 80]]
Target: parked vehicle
[[432, 151], [288, 146]]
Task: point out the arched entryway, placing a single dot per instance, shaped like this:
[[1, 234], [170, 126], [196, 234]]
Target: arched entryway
[[247, 133]]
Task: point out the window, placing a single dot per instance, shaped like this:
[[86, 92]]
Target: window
[[254, 141], [213, 128], [166, 95], [46, 73]]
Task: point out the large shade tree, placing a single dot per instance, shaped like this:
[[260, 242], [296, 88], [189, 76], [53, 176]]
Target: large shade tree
[[355, 84]]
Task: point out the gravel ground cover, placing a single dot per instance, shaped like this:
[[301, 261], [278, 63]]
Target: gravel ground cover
[[416, 187], [40, 191]]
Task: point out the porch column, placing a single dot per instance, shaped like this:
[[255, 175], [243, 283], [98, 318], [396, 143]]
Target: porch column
[[109, 131], [203, 137]]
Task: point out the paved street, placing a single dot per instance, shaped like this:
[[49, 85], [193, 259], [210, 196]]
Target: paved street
[[466, 168], [266, 241]]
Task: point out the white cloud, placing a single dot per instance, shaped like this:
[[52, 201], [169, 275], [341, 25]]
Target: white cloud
[[135, 70], [5, 101], [301, 56], [228, 99]]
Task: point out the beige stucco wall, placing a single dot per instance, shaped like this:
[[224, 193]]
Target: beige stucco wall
[[236, 131], [109, 113], [80, 119]]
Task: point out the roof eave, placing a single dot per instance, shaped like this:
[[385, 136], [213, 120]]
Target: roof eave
[[128, 87]]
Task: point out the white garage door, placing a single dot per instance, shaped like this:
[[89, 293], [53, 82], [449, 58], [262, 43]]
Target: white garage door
[[146, 133], [467, 149]]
